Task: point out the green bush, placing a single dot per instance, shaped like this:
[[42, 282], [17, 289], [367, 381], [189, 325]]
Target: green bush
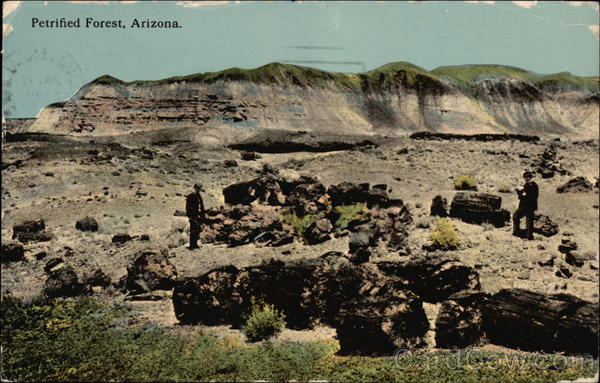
[[298, 223], [350, 213], [444, 234], [263, 322], [465, 182]]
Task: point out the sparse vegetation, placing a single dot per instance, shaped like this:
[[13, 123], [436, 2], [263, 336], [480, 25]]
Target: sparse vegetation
[[444, 234], [465, 182], [95, 346], [298, 223], [350, 213], [263, 322], [504, 189], [347, 213]]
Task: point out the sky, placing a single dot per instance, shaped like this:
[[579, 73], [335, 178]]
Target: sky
[[45, 65]]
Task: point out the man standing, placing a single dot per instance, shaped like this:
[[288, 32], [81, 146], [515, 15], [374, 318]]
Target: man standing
[[528, 196], [194, 209]]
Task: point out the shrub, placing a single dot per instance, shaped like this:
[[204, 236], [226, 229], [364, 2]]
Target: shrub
[[298, 223], [350, 213], [465, 182], [504, 189], [444, 234], [263, 322]]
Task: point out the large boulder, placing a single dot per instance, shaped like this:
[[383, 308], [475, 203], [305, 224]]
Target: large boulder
[[208, 299], [31, 231], [479, 208], [12, 252], [151, 270], [576, 185], [63, 282], [87, 224], [318, 231], [527, 320]]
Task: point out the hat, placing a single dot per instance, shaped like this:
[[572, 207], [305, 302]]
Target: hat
[[198, 186], [528, 174]]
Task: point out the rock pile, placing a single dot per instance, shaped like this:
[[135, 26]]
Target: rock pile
[[547, 163], [542, 224], [375, 308], [576, 185], [151, 270], [254, 212]]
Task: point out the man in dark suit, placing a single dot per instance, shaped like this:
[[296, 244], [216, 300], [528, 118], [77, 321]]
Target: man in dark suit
[[528, 196], [194, 209]]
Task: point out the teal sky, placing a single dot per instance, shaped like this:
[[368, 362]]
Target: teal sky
[[41, 66]]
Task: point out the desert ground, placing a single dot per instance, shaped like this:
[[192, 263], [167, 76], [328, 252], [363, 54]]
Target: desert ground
[[133, 184]]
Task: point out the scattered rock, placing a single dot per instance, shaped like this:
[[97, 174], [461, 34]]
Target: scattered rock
[[479, 208], [230, 163], [576, 185], [542, 224], [98, 279], [563, 272], [577, 259], [31, 231], [53, 265], [121, 238], [250, 156], [548, 261], [566, 246], [12, 252], [87, 224], [318, 231], [151, 270], [359, 247]]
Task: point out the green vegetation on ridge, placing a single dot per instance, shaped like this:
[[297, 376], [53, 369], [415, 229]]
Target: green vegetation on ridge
[[464, 75], [460, 76]]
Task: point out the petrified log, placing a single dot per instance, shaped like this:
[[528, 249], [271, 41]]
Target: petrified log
[[439, 206], [479, 208], [459, 322], [540, 322], [431, 278]]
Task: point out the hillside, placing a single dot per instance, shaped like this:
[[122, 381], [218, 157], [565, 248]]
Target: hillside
[[394, 99]]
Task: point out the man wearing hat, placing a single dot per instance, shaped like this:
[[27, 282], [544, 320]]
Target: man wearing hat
[[194, 209], [528, 196]]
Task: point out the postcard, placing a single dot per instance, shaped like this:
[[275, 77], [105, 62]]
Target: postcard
[[300, 191]]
